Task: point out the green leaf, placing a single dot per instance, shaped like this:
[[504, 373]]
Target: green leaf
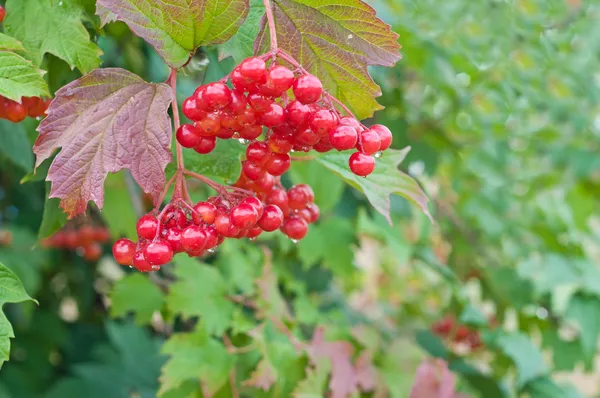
[[135, 293], [314, 383], [224, 163], [472, 316], [585, 311], [10, 43], [195, 356], [20, 78], [11, 291], [15, 145], [241, 44], [45, 27], [200, 291], [53, 218], [176, 28], [544, 387], [336, 40], [328, 187], [335, 251], [383, 182], [118, 210], [527, 358]]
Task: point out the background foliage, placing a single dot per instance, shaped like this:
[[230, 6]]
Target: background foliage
[[499, 101]]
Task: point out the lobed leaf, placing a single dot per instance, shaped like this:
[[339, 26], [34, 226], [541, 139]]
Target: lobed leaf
[[176, 28], [106, 121], [10, 43], [45, 27], [383, 182], [135, 293], [336, 40], [20, 78]]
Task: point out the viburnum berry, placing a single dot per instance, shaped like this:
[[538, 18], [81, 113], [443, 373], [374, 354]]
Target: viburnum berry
[[205, 145], [140, 262], [244, 216], [187, 135], [369, 142], [299, 196], [252, 170], [297, 113], [323, 121], [175, 218], [281, 143], [216, 95], [16, 112], [273, 116], [308, 89], [279, 79], [343, 138], [209, 125], [361, 164], [204, 211], [259, 102], [385, 136], [250, 132], [193, 238], [278, 163], [271, 219], [123, 251], [295, 228], [191, 111], [158, 253], [2, 13], [257, 152], [253, 70], [147, 226], [173, 238]]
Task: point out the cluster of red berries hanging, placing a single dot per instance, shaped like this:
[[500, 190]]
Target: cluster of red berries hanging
[[17, 112], [450, 329], [259, 98], [86, 240], [196, 230]]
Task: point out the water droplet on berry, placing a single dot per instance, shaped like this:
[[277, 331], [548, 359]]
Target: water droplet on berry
[[243, 141], [131, 267], [211, 250], [155, 267], [378, 154], [38, 118], [294, 240]]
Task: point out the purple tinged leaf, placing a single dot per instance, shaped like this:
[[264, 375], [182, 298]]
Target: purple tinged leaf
[[434, 380], [106, 121], [176, 28]]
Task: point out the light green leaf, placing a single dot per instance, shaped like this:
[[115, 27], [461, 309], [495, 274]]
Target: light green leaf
[[195, 356], [527, 358], [135, 293], [200, 291], [383, 182], [46, 27], [118, 210], [20, 78], [176, 28], [327, 186], [241, 44], [314, 383], [11, 291], [335, 251], [15, 145], [585, 311], [10, 43]]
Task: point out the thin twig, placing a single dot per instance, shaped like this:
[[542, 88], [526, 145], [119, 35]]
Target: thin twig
[[232, 376], [271, 22]]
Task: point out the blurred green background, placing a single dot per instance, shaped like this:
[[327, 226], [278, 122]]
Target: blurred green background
[[499, 101]]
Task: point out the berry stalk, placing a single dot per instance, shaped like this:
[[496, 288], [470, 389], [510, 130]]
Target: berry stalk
[[271, 22]]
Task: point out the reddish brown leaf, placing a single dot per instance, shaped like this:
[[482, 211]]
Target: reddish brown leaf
[[264, 376], [108, 120], [434, 380]]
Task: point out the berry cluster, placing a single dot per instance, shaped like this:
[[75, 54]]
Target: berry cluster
[[195, 230], [17, 112], [259, 98], [86, 240], [448, 328]]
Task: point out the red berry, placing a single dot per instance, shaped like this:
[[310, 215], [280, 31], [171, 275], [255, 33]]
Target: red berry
[[299, 196], [253, 69], [210, 125], [187, 135], [140, 262], [252, 170], [295, 228], [278, 164], [147, 227], [304, 214], [385, 135], [259, 102], [158, 253], [2, 13], [193, 238], [204, 211], [206, 145], [352, 122], [15, 112], [238, 103], [279, 78], [123, 251], [191, 111], [323, 121], [201, 104], [175, 218], [308, 89], [343, 137], [225, 133], [244, 216], [240, 82], [253, 232], [247, 118], [251, 132], [257, 152], [369, 142], [265, 184], [173, 238], [225, 227], [101, 234], [212, 237], [279, 198], [271, 219], [361, 164], [315, 212], [323, 145], [307, 137], [281, 143], [217, 95], [273, 116], [297, 113], [256, 203]]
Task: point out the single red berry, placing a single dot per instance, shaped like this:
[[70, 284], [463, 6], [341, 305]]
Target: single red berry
[[147, 227], [247, 118], [257, 152], [240, 83], [187, 135], [222, 223], [252, 170], [343, 137], [323, 121], [265, 184], [385, 135], [315, 212], [304, 214], [297, 113], [191, 111], [198, 97], [279, 78], [217, 95], [158, 253], [361, 164], [271, 219], [273, 116], [204, 211], [244, 216], [323, 145], [2, 13], [461, 333], [369, 142], [101, 235], [193, 238], [308, 89], [175, 218], [140, 262], [71, 240], [253, 69], [256, 203], [259, 102], [278, 164], [86, 234], [173, 238], [238, 103], [251, 132], [225, 133], [295, 228], [123, 251], [268, 91], [206, 145], [210, 125], [279, 198], [352, 122], [15, 112], [281, 143], [253, 232], [212, 237], [307, 137], [299, 196]]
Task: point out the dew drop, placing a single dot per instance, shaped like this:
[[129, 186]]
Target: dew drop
[[212, 250], [292, 151], [243, 141], [295, 240], [155, 267], [38, 118], [60, 3], [378, 154], [131, 267], [252, 239]]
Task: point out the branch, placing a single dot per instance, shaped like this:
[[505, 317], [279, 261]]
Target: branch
[[271, 21]]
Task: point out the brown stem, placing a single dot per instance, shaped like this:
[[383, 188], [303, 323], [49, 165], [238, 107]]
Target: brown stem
[[173, 83], [271, 21], [164, 192], [216, 186], [302, 158]]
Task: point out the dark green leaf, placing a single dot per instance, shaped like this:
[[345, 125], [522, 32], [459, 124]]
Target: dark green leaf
[[15, 145], [135, 293]]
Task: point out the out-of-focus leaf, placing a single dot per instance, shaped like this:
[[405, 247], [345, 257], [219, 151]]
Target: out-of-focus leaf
[[526, 357], [177, 28], [335, 251], [241, 44], [585, 311], [328, 188], [119, 212], [10, 43], [104, 122], [135, 293], [433, 379], [53, 217], [20, 78], [15, 145]]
